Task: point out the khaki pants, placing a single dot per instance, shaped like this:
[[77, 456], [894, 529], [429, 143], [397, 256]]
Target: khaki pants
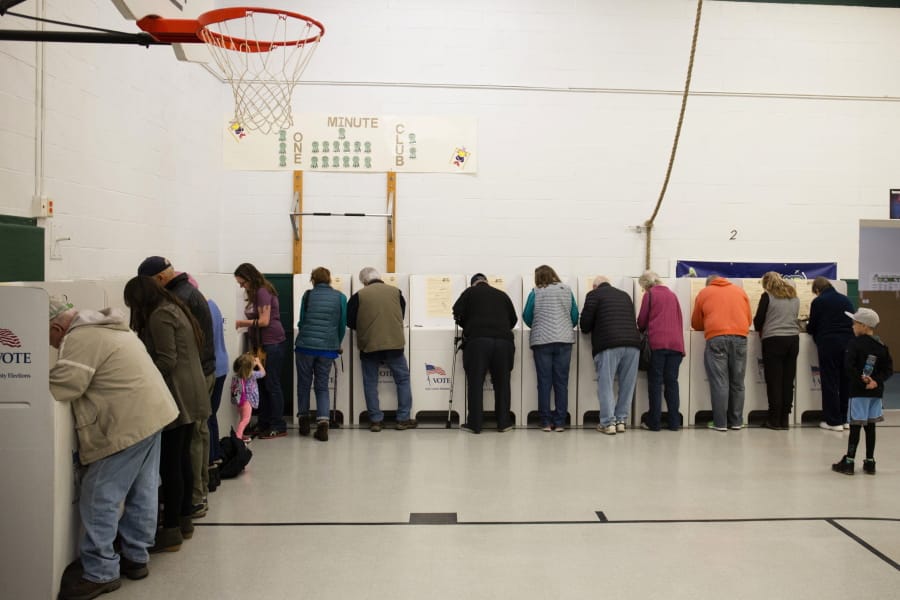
[[200, 450]]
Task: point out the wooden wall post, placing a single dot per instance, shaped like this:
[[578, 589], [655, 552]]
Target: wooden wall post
[[392, 222], [298, 207]]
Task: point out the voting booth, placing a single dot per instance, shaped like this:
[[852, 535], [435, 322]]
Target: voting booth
[[431, 347], [340, 375], [682, 290], [587, 405], [40, 443], [387, 389], [529, 373]]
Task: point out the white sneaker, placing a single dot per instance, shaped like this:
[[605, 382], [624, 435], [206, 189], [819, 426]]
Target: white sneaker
[[620, 427], [846, 426], [608, 429], [824, 425], [736, 427]]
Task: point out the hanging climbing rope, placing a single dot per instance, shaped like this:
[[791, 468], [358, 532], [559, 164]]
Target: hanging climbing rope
[[648, 224]]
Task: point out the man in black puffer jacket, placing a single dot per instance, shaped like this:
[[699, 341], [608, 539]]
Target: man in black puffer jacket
[[608, 315]]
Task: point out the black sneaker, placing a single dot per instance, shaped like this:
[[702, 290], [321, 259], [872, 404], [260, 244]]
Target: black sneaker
[[303, 426], [85, 590], [375, 427], [468, 428], [198, 511], [321, 433], [869, 466], [133, 570], [845, 466]]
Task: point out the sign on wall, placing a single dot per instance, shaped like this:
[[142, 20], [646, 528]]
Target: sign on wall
[[804, 270], [356, 144]]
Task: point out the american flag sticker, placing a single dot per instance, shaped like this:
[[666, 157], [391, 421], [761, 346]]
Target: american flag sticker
[[433, 370], [8, 338]]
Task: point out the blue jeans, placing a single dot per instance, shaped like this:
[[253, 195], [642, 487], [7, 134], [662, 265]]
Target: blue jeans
[[271, 398], [400, 372], [309, 369], [621, 362], [551, 362], [664, 365], [130, 476], [725, 359]]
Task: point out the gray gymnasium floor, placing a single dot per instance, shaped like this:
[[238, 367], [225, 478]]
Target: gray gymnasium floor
[[688, 515]]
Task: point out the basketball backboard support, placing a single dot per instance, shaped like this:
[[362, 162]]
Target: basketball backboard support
[[134, 10]]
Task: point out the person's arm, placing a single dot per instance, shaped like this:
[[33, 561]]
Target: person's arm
[[303, 302], [644, 314], [528, 311], [342, 324], [70, 377], [162, 326], [352, 309], [760, 319], [813, 323], [587, 314], [697, 314], [459, 310], [402, 305], [573, 311]]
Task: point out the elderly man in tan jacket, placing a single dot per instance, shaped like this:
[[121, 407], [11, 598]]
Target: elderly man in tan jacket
[[120, 404]]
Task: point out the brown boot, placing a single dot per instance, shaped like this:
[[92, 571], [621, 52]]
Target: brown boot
[[168, 539], [321, 433]]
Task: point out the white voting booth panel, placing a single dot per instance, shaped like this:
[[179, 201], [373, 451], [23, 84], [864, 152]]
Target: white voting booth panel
[[808, 396], [41, 439], [512, 286], [529, 373], [431, 348], [342, 381], [681, 289], [586, 397], [387, 389]]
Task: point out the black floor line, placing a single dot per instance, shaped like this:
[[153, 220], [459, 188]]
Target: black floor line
[[864, 544], [602, 519]]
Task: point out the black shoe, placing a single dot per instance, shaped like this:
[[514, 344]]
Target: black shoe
[[408, 424], [303, 426], [321, 433], [375, 427], [770, 425], [214, 479], [168, 539], [86, 590], [845, 466], [869, 466], [133, 570], [187, 527], [198, 511], [468, 428]]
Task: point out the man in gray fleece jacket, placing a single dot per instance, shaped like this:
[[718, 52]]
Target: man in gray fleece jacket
[[120, 404]]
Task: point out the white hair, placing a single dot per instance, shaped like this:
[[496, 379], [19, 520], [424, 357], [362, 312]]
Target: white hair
[[600, 279], [368, 274], [648, 279]]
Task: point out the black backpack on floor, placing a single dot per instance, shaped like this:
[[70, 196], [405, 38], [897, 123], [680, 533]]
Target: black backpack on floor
[[235, 456]]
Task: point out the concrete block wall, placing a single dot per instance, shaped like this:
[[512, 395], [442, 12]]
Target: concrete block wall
[[788, 140]]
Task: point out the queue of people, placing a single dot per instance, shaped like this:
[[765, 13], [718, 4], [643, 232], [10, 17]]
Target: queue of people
[[144, 393]]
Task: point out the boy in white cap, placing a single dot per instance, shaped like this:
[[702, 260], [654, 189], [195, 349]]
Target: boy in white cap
[[868, 364]]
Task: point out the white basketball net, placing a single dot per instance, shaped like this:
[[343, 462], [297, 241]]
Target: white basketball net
[[262, 56]]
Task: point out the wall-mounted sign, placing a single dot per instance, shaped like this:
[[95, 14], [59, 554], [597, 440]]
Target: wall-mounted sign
[[356, 144]]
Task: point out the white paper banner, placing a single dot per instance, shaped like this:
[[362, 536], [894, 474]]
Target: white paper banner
[[356, 144]]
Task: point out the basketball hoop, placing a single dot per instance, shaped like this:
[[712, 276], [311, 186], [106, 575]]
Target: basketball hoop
[[261, 52]]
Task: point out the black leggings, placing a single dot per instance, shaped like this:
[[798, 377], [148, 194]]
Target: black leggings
[[854, 440], [176, 474]]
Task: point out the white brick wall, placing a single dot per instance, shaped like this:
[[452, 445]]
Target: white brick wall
[[132, 140]]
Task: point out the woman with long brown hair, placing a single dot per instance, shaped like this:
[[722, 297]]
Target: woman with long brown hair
[[777, 323], [265, 331], [172, 338]]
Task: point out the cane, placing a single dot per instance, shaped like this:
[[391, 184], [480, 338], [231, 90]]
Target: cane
[[456, 345]]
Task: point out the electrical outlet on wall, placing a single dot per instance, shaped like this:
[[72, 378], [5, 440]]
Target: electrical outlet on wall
[[42, 207]]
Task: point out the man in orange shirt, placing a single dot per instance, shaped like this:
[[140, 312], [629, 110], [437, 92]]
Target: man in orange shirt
[[722, 312]]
